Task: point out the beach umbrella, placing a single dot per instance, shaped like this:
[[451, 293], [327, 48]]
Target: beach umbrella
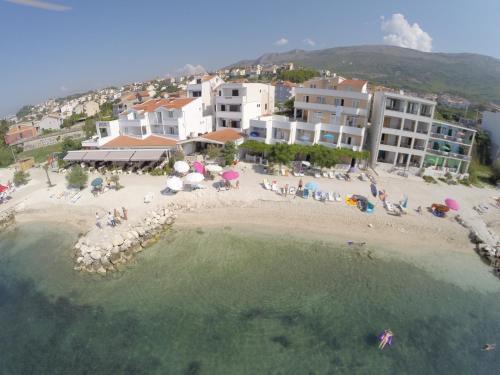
[[3, 188], [440, 207], [306, 163], [97, 182], [174, 183], [311, 185], [181, 166], [193, 178], [213, 168], [198, 167], [452, 204], [230, 175]]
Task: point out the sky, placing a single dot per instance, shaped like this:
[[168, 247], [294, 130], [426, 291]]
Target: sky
[[55, 48]]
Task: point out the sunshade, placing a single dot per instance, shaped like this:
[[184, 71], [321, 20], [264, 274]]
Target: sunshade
[[306, 163], [147, 155], [230, 175], [193, 178], [452, 204], [198, 167], [75, 155], [213, 168], [440, 207], [119, 155], [97, 182], [95, 155], [3, 188], [174, 183], [311, 185], [181, 166]]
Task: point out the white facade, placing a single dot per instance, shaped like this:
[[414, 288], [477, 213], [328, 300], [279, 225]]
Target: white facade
[[175, 119], [400, 129], [49, 123], [206, 88], [238, 103], [491, 125]]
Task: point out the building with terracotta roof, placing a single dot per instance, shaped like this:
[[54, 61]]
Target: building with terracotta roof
[[20, 132], [237, 103]]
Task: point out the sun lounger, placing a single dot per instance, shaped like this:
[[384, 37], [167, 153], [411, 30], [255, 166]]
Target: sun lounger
[[266, 184], [305, 194], [331, 174], [76, 197], [317, 175], [363, 177], [325, 174], [318, 195], [274, 186], [148, 198]]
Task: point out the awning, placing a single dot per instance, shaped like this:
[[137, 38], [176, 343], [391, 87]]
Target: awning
[[119, 155], [75, 155], [96, 155], [147, 155]]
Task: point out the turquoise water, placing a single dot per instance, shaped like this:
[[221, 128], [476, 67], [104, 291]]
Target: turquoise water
[[220, 302]]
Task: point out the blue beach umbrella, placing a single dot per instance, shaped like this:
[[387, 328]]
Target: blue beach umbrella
[[97, 182], [311, 185]]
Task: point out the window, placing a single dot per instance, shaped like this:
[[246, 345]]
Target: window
[[171, 130], [306, 98], [258, 105], [320, 100], [235, 93], [196, 94], [222, 107], [143, 130], [313, 86], [349, 140], [198, 81], [104, 132], [171, 114], [318, 115], [158, 117], [339, 102], [425, 110], [265, 106], [234, 108], [412, 108], [450, 132], [355, 103], [223, 123], [220, 92]]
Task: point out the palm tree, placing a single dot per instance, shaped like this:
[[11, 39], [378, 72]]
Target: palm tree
[[46, 169]]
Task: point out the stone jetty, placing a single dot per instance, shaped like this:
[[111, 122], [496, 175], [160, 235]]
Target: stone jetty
[[7, 218], [104, 257]]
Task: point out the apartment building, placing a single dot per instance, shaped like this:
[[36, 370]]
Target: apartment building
[[238, 103], [19, 132], [171, 120], [400, 129], [329, 111], [449, 147]]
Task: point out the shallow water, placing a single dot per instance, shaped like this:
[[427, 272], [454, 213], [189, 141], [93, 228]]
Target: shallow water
[[220, 302]]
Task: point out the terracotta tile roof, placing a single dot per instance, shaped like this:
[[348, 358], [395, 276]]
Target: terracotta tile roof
[[354, 83], [124, 141], [223, 135], [153, 104], [134, 95], [18, 128], [207, 78]]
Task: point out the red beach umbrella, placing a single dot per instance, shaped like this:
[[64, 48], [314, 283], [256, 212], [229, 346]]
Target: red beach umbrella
[[452, 204], [198, 167], [230, 175], [3, 188]]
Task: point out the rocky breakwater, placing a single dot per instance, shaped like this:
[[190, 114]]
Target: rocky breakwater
[[7, 218], [104, 257]]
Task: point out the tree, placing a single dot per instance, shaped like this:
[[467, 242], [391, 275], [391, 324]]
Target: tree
[[298, 76], [281, 153], [89, 127], [289, 105], [69, 144], [483, 147], [77, 177], [46, 169], [228, 152], [4, 128], [20, 178], [496, 171], [213, 152], [6, 158]]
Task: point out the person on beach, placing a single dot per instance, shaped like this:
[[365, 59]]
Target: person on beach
[[237, 184], [286, 190], [385, 339], [125, 213], [98, 220], [116, 215], [300, 185], [488, 347], [111, 220]]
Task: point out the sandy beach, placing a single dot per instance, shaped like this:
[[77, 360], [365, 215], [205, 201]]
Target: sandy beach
[[253, 208]]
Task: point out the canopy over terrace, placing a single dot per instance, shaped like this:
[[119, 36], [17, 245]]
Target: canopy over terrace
[[75, 155], [115, 155], [147, 155]]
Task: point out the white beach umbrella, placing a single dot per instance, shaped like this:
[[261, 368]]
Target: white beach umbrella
[[193, 178], [213, 168], [181, 166], [174, 183]]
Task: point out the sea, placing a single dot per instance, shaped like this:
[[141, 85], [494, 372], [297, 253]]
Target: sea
[[225, 301]]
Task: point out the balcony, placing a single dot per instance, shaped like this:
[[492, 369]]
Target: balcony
[[353, 130], [450, 138], [304, 137], [229, 115], [329, 108], [332, 92], [230, 99], [448, 154]]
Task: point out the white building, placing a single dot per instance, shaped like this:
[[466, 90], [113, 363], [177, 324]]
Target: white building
[[331, 112], [400, 127], [205, 87], [169, 120], [491, 125], [49, 122], [238, 103]]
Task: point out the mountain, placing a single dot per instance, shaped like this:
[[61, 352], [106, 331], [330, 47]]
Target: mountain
[[473, 76]]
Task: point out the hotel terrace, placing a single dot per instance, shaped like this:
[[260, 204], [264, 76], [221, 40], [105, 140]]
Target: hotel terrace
[[329, 111]]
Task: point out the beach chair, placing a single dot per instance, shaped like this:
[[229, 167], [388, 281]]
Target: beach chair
[[266, 184], [325, 174], [317, 195], [75, 197], [305, 193], [337, 197], [274, 186], [330, 196], [331, 174], [148, 198], [317, 175]]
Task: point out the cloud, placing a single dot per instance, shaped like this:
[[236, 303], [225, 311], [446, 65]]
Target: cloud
[[309, 42], [399, 32], [281, 42], [41, 5], [63, 88], [191, 70]]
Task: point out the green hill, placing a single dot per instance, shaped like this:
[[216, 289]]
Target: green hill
[[473, 76]]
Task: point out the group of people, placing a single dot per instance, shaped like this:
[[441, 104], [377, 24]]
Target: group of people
[[112, 219], [226, 185]]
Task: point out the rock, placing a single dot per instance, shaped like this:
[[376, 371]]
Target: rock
[[79, 260], [370, 225], [141, 231], [115, 258], [107, 246], [105, 262], [87, 260], [96, 255], [101, 271], [127, 243], [128, 236], [115, 250], [162, 220], [117, 240], [78, 245], [135, 234], [169, 221]]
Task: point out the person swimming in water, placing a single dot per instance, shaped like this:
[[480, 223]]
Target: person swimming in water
[[488, 347], [385, 338]]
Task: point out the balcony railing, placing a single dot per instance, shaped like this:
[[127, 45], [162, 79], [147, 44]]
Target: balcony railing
[[448, 154], [450, 138]]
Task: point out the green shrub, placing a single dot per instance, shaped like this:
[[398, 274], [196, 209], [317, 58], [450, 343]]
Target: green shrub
[[77, 177], [429, 179], [20, 178], [465, 181]]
